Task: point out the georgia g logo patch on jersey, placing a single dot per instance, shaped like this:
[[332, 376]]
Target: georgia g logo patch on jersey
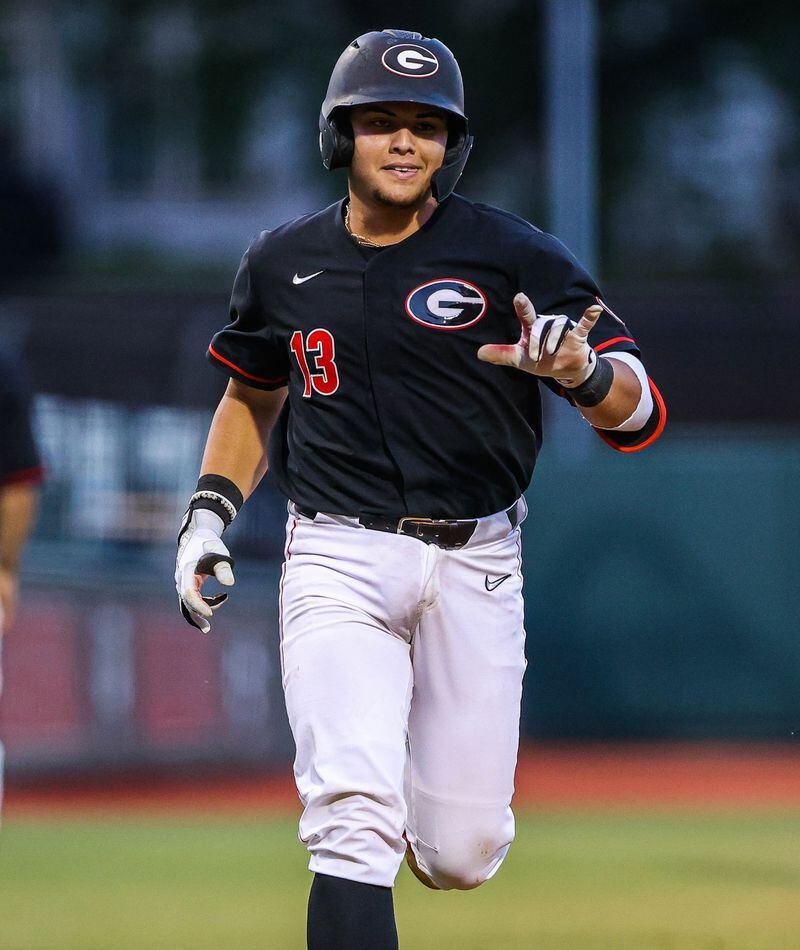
[[446, 304], [406, 59]]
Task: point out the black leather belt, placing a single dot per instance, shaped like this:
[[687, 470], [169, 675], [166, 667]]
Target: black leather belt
[[446, 533]]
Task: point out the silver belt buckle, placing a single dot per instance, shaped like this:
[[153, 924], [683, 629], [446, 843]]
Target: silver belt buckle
[[433, 522], [402, 521]]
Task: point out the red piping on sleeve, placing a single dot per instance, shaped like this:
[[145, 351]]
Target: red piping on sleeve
[[662, 412], [257, 379], [31, 476], [617, 339]]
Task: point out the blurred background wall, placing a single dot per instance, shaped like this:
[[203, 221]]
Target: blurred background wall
[[144, 145]]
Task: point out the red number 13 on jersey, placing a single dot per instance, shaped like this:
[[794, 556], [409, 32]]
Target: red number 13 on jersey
[[319, 371]]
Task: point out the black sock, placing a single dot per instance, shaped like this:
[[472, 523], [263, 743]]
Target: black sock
[[348, 915]]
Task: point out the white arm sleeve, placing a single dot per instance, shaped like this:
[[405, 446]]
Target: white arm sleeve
[[640, 415]]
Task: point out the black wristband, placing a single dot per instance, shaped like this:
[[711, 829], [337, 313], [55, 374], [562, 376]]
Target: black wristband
[[594, 390], [218, 494]]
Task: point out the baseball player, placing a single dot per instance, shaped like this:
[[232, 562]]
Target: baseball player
[[20, 473], [385, 357]]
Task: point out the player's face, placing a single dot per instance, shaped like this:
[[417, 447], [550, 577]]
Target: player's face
[[398, 147]]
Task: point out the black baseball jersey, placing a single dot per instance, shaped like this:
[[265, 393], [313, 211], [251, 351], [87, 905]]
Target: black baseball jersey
[[389, 410], [19, 459]]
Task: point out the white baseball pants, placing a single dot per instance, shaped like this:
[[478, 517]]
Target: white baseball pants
[[402, 669]]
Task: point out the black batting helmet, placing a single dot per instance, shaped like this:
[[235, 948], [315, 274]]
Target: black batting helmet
[[396, 66]]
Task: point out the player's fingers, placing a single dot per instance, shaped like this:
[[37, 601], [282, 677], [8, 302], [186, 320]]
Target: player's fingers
[[501, 354], [587, 321], [200, 622], [540, 331], [208, 563], [525, 309], [192, 618], [224, 574], [560, 329], [195, 603]]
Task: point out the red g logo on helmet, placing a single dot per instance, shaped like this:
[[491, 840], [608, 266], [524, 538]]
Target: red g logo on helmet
[[446, 304], [406, 59]]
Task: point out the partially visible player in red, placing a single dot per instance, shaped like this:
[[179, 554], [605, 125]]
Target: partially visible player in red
[[20, 475]]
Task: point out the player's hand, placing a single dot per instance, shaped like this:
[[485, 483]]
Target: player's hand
[[550, 345], [201, 554]]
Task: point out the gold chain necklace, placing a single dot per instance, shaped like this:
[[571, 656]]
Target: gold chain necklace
[[360, 238]]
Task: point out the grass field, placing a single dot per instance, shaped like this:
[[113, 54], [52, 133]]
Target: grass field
[[590, 881]]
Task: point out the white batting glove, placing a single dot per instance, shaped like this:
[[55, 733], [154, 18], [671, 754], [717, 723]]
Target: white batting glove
[[201, 553], [550, 345]]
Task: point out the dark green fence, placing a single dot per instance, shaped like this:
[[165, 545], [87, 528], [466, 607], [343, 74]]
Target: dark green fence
[[662, 590]]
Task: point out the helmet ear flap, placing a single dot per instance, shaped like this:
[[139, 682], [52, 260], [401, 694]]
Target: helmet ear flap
[[455, 158], [336, 140], [456, 139], [345, 140]]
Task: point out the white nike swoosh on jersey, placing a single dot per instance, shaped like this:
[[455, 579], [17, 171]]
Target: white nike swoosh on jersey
[[301, 280]]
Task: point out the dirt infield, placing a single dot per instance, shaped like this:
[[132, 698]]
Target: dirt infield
[[570, 777], [686, 776]]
